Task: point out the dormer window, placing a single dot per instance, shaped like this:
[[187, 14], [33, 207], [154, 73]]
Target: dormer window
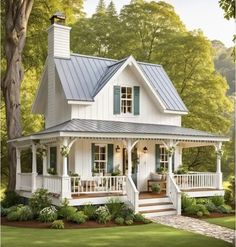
[[126, 99]]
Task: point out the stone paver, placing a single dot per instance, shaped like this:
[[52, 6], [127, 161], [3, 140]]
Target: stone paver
[[197, 226]]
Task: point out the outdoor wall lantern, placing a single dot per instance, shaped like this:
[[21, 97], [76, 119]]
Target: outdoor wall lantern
[[145, 149], [118, 149]]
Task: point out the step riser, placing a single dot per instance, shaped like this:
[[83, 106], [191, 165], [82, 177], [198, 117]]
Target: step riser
[[156, 207], [154, 200], [151, 215]]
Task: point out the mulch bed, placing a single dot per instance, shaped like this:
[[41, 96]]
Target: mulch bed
[[68, 225], [211, 215]]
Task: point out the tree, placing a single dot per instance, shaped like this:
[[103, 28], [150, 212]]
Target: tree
[[229, 8], [101, 7], [17, 15]]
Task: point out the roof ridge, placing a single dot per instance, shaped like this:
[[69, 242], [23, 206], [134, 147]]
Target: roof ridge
[[90, 56], [119, 61], [153, 64]]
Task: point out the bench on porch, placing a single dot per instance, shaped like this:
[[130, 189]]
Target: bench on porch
[[161, 183]]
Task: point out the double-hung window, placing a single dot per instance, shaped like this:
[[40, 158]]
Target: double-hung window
[[100, 158], [163, 158], [126, 99]]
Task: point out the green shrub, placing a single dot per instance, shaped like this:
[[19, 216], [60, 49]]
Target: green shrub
[[103, 215], [4, 211], [11, 198], [66, 211], [25, 213], [211, 207], [217, 200], [13, 216], [224, 209], [125, 212], [129, 222], [48, 214], [57, 224], [228, 197], [187, 202], [114, 206], [139, 218], [90, 211], [199, 214], [78, 217], [119, 221], [202, 201], [39, 200], [194, 209]]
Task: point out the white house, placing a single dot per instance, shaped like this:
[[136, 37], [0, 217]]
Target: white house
[[104, 117]]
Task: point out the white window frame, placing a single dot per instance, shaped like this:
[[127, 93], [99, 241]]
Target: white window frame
[[163, 162], [100, 161], [126, 99]]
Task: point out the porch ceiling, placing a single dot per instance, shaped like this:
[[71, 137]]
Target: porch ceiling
[[84, 128]]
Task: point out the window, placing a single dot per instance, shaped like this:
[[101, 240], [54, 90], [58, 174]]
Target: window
[[126, 99], [163, 158], [100, 158], [53, 157]]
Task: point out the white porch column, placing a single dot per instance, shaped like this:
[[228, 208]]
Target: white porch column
[[34, 168], [18, 169], [65, 179], [64, 166], [219, 153], [129, 154]]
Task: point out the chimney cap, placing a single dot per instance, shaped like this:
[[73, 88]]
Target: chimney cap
[[58, 17]]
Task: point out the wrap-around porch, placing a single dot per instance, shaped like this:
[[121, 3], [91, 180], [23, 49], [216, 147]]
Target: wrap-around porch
[[135, 158]]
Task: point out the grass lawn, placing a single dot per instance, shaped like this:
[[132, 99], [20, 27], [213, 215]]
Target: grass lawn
[[228, 221], [137, 236]]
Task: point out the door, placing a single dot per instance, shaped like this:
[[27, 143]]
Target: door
[[135, 162]]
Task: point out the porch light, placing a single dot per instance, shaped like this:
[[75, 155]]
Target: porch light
[[118, 149], [145, 149]]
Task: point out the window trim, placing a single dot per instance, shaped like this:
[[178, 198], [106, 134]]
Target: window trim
[[106, 156], [163, 163], [131, 99]]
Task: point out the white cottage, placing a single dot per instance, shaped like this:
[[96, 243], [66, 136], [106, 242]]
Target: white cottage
[[109, 127]]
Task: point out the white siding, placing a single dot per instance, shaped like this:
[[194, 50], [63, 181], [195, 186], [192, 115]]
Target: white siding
[[102, 108]]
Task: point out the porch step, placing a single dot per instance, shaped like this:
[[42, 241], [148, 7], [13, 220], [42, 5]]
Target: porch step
[[155, 213], [163, 199], [155, 206]]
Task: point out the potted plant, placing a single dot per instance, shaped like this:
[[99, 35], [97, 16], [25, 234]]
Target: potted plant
[[76, 178], [116, 172], [157, 175], [156, 188], [163, 172], [52, 171]]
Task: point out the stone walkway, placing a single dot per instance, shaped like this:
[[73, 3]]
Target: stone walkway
[[197, 226]]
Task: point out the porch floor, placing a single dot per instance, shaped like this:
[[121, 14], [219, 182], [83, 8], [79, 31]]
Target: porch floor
[[92, 195]]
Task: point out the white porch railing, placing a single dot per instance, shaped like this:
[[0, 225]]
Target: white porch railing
[[98, 184], [132, 193], [24, 181], [175, 195], [197, 180], [52, 183]]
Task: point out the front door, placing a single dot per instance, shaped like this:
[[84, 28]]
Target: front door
[[135, 162]]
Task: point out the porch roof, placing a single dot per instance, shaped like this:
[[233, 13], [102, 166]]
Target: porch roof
[[116, 129]]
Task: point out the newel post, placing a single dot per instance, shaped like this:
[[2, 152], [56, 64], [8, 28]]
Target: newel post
[[219, 154]]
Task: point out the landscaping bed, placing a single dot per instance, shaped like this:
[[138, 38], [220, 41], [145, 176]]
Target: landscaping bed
[[67, 224]]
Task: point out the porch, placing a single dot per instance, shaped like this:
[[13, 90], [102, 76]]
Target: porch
[[136, 157]]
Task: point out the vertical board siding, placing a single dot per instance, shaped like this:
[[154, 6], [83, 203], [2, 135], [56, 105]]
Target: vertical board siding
[[116, 101], [110, 154], [136, 100]]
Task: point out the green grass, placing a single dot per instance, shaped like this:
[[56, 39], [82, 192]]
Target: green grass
[[228, 221], [137, 236]]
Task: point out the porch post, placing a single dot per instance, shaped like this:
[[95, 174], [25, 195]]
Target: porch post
[[34, 168], [65, 179], [18, 168], [218, 165], [129, 149]]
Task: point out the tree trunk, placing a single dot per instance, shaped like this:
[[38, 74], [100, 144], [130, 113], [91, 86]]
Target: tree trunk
[[17, 14]]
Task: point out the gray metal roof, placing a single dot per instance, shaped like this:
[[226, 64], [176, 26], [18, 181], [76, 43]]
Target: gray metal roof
[[82, 77], [101, 126]]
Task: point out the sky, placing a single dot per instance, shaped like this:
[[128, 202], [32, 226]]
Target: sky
[[195, 14]]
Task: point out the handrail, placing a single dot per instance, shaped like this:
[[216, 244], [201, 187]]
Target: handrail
[[132, 193], [175, 195]]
